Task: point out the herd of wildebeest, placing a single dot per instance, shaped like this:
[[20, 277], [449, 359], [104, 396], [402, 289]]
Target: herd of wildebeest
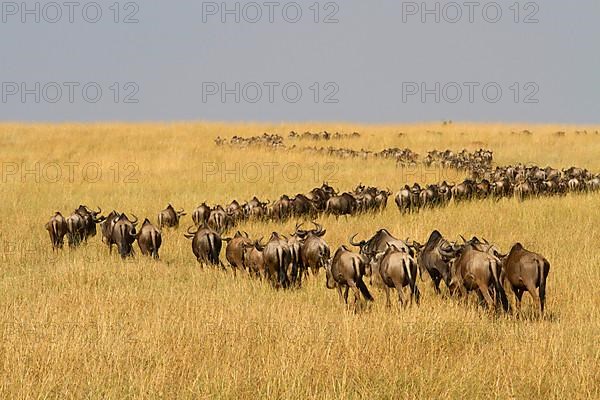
[[283, 260], [404, 157], [386, 261]]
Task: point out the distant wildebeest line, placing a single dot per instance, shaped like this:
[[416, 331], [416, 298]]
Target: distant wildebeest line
[[462, 160], [520, 181]]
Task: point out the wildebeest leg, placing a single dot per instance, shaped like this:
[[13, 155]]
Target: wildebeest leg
[[386, 289], [339, 290], [436, 279], [347, 288], [401, 302], [356, 295], [536, 299], [485, 291]]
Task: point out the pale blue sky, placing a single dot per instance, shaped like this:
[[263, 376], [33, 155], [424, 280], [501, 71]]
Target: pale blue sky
[[367, 56]]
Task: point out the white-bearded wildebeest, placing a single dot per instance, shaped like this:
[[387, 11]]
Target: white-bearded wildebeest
[[314, 252], [123, 235], [107, 226], [397, 269], [346, 270], [235, 250], [255, 208], [57, 228], [435, 258], [376, 244], [526, 271], [277, 258], [296, 268], [480, 271], [169, 217], [76, 229], [253, 259], [201, 214], [403, 199], [90, 219], [206, 245], [149, 239], [344, 204], [219, 220]]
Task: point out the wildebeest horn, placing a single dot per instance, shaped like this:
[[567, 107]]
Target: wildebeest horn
[[318, 227], [190, 232], [136, 219], [485, 241], [357, 244], [99, 210], [463, 238]]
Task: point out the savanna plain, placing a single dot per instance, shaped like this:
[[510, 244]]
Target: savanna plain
[[80, 323]]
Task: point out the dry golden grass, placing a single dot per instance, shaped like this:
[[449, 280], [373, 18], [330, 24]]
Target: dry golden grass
[[82, 324]]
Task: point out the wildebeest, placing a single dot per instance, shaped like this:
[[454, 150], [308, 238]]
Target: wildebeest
[[253, 259], [235, 211], [57, 228], [403, 199], [277, 258], [107, 226], [526, 271], [480, 271], [235, 250], [201, 214], [169, 217], [302, 205], [435, 258], [346, 270], [344, 204], [219, 220], [296, 268], [315, 252], [123, 234], [149, 239], [397, 269], [206, 245], [90, 219], [76, 229], [282, 208], [378, 243]]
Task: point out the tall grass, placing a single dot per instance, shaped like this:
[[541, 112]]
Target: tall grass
[[83, 324]]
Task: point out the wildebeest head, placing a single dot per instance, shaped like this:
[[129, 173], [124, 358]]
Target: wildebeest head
[[318, 231]]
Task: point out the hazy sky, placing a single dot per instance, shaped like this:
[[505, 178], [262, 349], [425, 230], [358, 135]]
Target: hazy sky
[[359, 61]]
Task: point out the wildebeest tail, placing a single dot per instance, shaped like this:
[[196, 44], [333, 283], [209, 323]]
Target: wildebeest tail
[[543, 270], [211, 250], [282, 269], [55, 235], [500, 293], [360, 283], [412, 279], [154, 249]]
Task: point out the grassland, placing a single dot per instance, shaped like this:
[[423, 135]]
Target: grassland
[[83, 324]]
